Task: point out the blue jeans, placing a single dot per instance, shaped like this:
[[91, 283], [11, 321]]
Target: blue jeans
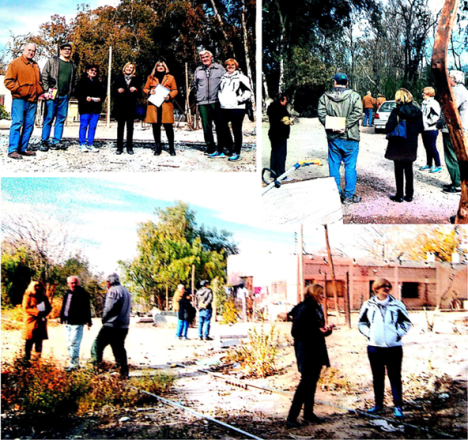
[[204, 318], [88, 122], [182, 328], [23, 114], [367, 116], [74, 334], [58, 109], [346, 151]]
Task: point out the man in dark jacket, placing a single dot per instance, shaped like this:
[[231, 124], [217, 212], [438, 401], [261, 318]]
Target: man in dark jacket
[[343, 142], [115, 323], [60, 78], [206, 81], [204, 299], [75, 313]]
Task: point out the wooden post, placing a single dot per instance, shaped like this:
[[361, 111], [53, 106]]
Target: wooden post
[[167, 298], [332, 270], [188, 113], [325, 303], [109, 74], [347, 305], [193, 280], [301, 265], [215, 294], [447, 102]]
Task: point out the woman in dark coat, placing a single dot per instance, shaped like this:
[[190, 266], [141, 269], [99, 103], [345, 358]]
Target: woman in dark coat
[[36, 307], [90, 94], [186, 315], [164, 114], [279, 133], [402, 150], [126, 90], [309, 331]]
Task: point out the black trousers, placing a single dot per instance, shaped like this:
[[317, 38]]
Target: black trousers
[[115, 337], [29, 345], [305, 393], [404, 168], [390, 357], [236, 118], [278, 155], [121, 122], [169, 133]]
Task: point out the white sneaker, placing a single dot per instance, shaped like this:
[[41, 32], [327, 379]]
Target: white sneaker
[[92, 149], [84, 148]]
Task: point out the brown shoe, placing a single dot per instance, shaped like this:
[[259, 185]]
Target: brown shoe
[[14, 155], [28, 153]]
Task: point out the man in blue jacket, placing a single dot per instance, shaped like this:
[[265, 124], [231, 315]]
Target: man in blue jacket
[[115, 324]]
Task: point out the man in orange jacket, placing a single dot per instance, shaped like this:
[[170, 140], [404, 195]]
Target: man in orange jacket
[[23, 79], [368, 102]]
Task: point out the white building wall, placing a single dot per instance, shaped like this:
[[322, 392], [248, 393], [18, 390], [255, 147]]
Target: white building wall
[[5, 92]]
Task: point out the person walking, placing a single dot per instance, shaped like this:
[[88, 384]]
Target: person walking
[[234, 92], [343, 142], [75, 314], [162, 114], [36, 307], [115, 324], [90, 94], [309, 332], [431, 112], [403, 149], [278, 134], [204, 300], [126, 90], [368, 102], [380, 100], [383, 320], [23, 79]]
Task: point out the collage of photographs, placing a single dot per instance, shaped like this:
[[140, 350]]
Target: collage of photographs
[[234, 219]]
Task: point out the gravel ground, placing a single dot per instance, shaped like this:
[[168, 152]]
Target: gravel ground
[[189, 147], [375, 181]]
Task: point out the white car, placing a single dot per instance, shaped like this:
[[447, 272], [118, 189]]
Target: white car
[[382, 114]]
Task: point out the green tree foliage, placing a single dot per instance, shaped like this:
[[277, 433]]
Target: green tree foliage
[[168, 248]]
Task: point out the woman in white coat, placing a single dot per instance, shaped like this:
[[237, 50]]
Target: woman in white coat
[[431, 113], [384, 321], [234, 93]]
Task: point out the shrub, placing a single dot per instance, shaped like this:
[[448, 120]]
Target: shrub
[[40, 387], [258, 356], [12, 319], [3, 113], [230, 313]]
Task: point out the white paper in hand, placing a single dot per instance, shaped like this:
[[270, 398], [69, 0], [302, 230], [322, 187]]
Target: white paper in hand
[[41, 306], [160, 93]]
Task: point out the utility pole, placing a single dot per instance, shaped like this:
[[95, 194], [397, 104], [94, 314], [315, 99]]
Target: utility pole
[[332, 270]]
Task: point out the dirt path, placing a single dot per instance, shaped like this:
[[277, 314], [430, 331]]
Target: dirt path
[[189, 146], [375, 177], [434, 380]]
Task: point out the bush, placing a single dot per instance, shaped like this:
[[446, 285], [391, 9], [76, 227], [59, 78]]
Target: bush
[[40, 387], [230, 313], [12, 319], [258, 356], [3, 113]]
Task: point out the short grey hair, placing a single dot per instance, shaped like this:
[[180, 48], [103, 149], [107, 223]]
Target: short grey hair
[[113, 279], [30, 44], [458, 76], [203, 52], [71, 278]]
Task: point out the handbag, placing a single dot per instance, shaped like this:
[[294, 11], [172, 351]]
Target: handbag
[[399, 131], [250, 111]]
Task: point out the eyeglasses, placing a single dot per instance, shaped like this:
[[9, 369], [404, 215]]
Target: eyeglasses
[[92, 70], [231, 65], [385, 286]]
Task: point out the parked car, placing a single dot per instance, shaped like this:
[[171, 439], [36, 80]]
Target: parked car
[[383, 113]]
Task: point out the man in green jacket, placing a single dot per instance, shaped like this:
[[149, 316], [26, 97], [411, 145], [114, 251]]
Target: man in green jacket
[[342, 134]]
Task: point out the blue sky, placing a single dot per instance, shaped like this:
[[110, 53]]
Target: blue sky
[[21, 17], [102, 213]]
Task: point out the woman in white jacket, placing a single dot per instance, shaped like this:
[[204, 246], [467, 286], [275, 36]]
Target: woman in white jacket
[[384, 321], [234, 92], [431, 113]]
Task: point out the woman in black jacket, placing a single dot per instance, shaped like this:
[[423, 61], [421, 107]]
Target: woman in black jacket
[[403, 149], [309, 331], [279, 133], [126, 90], [90, 94], [186, 315]]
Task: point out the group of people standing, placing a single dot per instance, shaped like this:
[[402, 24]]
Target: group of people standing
[[343, 104], [383, 320], [223, 95]]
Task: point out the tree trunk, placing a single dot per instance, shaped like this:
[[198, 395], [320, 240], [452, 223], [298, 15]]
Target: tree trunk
[[246, 50], [332, 270], [449, 107], [282, 21], [221, 24]]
